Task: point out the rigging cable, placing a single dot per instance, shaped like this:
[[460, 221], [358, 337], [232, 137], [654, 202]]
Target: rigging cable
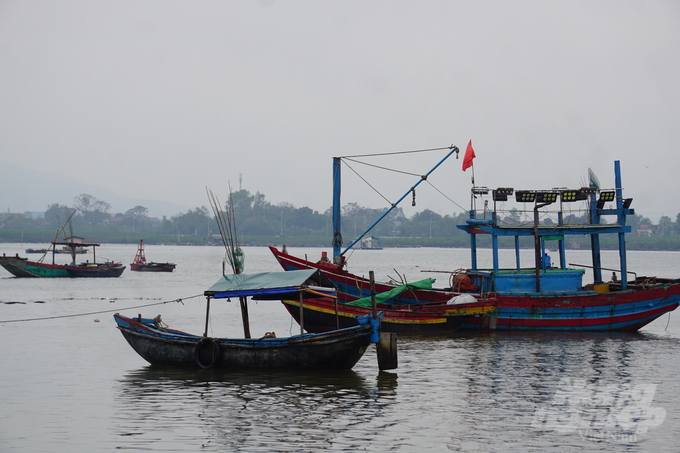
[[401, 152], [99, 312], [380, 167], [369, 185]]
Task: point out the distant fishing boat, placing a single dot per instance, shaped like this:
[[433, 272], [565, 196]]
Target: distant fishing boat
[[22, 267], [140, 263], [369, 243]]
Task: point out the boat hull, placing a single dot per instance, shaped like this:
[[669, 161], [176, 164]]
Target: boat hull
[[588, 311], [616, 311], [153, 267], [21, 267], [100, 271], [334, 350], [433, 319]]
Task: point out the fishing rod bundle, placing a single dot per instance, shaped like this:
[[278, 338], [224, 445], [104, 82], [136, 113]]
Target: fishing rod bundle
[[227, 226]]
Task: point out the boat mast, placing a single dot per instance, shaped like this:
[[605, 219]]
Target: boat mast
[[337, 235]]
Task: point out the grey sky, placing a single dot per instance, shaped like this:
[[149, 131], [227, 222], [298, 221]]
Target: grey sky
[[159, 99]]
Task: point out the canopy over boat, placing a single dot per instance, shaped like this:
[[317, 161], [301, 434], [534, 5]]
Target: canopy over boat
[[273, 285]]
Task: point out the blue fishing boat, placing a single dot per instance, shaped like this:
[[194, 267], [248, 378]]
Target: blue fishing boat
[[338, 349], [543, 296]]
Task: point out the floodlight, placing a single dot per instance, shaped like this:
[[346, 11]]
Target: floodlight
[[607, 196], [568, 196], [525, 196], [627, 202], [588, 190], [480, 190], [501, 194], [546, 197]]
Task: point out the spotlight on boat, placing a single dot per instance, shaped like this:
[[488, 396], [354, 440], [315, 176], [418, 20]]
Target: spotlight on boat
[[501, 194], [627, 202], [525, 196], [585, 192], [568, 196], [546, 197], [605, 197], [480, 190]]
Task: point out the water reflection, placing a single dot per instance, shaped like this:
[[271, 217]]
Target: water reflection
[[249, 410], [510, 376]]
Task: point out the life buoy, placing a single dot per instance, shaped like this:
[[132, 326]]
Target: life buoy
[[215, 352]]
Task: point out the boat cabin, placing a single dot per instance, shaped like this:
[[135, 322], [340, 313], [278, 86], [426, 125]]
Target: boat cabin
[[544, 275]]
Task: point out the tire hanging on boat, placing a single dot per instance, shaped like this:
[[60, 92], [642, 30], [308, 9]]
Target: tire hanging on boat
[[215, 352]]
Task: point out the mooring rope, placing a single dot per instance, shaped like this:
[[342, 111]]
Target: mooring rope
[[180, 300]]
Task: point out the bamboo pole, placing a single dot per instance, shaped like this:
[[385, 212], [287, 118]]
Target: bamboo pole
[[244, 315], [207, 317]]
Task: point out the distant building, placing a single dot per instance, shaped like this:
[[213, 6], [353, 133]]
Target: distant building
[[648, 230]]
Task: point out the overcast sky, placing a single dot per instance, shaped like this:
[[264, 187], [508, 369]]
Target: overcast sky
[[159, 99]]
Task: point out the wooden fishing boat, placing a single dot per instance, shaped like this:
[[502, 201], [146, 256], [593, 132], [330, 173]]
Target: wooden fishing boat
[[416, 310], [538, 297], [140, 263], [338, 349], [546, 297], [22, 267]]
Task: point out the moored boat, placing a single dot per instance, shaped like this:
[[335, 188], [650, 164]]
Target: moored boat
[[538, 297], [140, 263], [338, 349], [416, 310], [22, 267], [546, 297]]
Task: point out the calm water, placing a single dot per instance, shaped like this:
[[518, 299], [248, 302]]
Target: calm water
[[72, 383]]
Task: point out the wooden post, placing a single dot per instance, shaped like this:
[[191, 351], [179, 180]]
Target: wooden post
[[244, 315], [371, 276], [387, 351], [207, 317], [302, 316]]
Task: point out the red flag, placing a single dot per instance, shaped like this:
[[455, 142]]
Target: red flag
[[469, 155]]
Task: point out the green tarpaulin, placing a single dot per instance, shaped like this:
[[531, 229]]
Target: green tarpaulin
[[391, 294]]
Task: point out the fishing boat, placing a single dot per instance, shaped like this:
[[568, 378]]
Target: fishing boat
[[409, 309], [538, 297], [338, 349], [415, 308], [22, 267], [140, 263], [543, 296], [369, 243]]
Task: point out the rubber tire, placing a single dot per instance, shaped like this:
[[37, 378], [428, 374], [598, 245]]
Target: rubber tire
[[216, 352]]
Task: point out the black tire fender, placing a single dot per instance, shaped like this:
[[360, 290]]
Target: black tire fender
[[206, 341]]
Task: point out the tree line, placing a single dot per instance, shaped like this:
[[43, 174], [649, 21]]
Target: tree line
[[255, 216]]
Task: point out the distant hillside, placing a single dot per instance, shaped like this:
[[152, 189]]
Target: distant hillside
[[23, 189]]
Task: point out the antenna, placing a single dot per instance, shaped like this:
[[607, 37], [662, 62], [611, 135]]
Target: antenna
[[240, 179]]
